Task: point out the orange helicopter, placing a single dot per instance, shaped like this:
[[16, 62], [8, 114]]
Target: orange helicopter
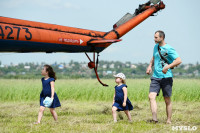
[[27, 36]]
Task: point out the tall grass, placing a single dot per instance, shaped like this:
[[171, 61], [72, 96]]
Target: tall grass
[[91, 90]]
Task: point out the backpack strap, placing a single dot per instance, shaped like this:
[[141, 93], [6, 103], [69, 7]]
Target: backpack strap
[[162, 57]]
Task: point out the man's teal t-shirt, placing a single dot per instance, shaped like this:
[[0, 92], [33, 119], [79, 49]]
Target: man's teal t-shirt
[[170, 54]]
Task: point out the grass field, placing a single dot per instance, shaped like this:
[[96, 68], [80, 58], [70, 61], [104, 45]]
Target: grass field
[[86, 107]]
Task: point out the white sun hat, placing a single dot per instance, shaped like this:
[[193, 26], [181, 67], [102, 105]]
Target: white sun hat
[[120, 75]]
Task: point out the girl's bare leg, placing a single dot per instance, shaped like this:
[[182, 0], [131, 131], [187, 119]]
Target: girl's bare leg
[[40, 114], [128, 114], [54, 114], [114, 113]]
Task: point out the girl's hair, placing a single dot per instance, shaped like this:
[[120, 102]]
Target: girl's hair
[[123, 81], [50, 71]]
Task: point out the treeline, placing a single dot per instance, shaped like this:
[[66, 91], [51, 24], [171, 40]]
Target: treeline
[[106, 69]]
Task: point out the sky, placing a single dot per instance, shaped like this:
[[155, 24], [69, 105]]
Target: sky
[[180, 21]]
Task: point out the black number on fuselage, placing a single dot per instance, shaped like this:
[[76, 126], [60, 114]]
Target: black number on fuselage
[[2, 34], [18, 31], [30, 35], [11, 31]]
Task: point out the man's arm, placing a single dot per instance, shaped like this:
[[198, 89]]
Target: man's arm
[[149, 68], [175, 63]]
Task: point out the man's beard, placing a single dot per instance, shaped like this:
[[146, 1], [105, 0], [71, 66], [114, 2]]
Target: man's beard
[[158, 42]]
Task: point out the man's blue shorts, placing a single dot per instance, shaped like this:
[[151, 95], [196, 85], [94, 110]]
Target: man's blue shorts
[[161, 83]]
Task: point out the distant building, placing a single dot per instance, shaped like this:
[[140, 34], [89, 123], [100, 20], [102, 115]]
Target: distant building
[[38, 68], [112, 66], [27, 67], [104, 73], [2, 66], [23, 73], [104, 66], [84, 65], [13, 65], [67, 66], [196, 73], [109, 72], [127, 65], [61, 66], [133, 66], [114, 72], [12, 73], [186, 67]]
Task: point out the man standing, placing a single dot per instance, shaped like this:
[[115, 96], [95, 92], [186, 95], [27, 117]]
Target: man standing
[[164, 59]]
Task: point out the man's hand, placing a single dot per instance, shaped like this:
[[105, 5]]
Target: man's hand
[[149, 70], [175, 63], [165, 69], [124, 104]]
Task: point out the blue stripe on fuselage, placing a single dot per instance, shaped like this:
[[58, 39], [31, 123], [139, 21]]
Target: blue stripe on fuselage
[[28, 46]]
